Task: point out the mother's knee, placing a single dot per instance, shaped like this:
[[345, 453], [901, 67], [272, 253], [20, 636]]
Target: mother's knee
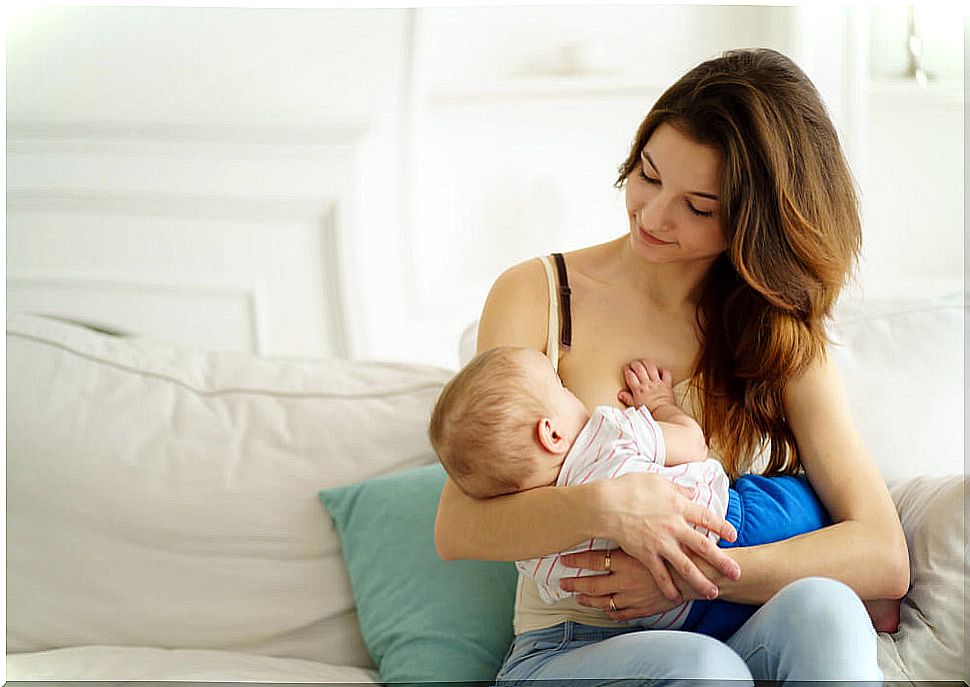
[[830, 623], [823, 602], [691, 656], [715, 660]]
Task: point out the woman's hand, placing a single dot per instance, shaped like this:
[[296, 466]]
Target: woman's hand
[[629, 585], [653, 521]]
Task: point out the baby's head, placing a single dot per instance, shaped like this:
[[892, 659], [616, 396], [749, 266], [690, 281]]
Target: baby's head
[[505, 422]]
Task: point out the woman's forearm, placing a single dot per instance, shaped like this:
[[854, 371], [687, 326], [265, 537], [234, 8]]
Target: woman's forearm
[[872, 564], [518, 526]]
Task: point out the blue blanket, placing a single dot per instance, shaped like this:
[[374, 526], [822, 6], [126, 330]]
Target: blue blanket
[[762, 510]]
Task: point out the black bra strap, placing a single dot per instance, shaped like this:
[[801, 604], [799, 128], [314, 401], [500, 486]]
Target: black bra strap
[[566, 330]]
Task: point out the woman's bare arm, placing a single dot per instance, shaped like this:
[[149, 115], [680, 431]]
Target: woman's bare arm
[[492, 529]]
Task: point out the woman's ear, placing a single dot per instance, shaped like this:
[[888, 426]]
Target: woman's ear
[[549, 437]]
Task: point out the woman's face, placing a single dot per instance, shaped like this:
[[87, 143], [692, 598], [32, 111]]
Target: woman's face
[[671, 199]]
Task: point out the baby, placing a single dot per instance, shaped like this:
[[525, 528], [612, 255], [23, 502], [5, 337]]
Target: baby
[[505, 423]]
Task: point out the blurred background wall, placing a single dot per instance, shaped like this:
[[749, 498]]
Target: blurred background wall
[[337, 182]]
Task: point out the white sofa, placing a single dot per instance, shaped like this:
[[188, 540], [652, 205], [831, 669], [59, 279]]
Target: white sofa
[[163, 520]]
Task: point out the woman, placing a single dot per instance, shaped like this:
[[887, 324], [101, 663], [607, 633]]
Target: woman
[[743, 227]]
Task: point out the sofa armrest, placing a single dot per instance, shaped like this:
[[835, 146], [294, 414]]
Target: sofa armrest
[[931, 640]]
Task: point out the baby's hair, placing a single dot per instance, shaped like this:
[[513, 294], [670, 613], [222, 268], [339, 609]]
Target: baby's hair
[[483, 423]]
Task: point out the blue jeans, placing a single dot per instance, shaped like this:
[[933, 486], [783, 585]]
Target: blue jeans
[[813, 629]]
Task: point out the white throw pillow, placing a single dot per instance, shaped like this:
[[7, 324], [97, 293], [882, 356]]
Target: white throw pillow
[[162, 496]]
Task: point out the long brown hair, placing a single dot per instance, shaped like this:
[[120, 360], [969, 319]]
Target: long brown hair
[[789, 209]]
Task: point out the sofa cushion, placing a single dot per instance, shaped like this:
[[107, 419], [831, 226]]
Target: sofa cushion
[[163, 496], [902, 364], [124, 663], [931, 640], [423, 619]]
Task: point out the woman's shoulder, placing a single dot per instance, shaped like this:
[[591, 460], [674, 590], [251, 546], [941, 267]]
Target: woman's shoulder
[[523, 275], [516, 309], [523, 284]]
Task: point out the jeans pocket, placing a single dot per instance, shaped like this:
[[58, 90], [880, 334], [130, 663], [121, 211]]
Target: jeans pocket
[[529, 645], [550, 638], [546, 645]]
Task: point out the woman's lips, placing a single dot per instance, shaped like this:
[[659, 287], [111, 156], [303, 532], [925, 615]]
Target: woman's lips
[[651, 239]]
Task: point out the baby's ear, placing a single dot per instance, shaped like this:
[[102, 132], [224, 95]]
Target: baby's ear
[[549, 436]]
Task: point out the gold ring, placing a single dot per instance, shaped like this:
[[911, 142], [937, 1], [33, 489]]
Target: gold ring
[[612, 604], [606, 561]]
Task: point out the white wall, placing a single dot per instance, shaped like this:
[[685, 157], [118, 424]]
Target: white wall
[[522, 116], [327, 182], [914, 196]]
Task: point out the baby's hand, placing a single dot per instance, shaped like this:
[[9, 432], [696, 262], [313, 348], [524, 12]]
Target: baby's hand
[[647, 385]]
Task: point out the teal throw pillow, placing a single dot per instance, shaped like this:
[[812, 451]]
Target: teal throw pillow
[[423, 619]]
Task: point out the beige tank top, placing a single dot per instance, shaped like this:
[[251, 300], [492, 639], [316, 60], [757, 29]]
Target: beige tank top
[[531, 613]]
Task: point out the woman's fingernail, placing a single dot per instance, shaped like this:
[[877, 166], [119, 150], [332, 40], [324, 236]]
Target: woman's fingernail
[[712, 593]]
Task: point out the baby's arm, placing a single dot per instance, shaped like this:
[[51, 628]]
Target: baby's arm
[[651, 387]]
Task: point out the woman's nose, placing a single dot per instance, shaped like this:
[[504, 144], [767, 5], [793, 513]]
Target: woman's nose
[[653, 215]]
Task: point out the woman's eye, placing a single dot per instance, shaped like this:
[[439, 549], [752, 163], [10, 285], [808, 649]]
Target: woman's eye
[[699, 213], [656, 182]]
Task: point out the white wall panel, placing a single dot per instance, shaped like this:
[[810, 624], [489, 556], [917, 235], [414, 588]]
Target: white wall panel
[[915, 196], [216, 318], [240, 208]]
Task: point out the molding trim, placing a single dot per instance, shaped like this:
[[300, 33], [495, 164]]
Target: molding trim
[[98, 202], [301, 137], [250, 297], [406, 164], [331, 261]]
